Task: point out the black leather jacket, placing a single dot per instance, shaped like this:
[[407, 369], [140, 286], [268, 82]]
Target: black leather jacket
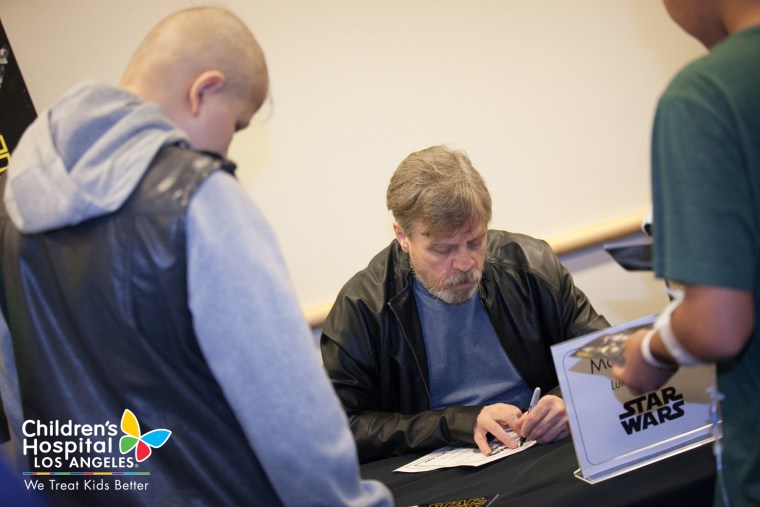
[[374, 352]]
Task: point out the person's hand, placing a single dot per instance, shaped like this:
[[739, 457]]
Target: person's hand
[[546, 422], [494, 419], [636, 374]]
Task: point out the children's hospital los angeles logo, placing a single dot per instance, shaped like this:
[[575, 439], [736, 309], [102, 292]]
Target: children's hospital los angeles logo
[[65, 450]]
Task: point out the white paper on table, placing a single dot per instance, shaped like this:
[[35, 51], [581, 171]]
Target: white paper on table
[[450, 456]]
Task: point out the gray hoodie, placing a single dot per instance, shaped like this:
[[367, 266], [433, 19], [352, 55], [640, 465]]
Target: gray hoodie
[[82, 159]]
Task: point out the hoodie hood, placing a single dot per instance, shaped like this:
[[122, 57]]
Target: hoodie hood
[[83, 157]]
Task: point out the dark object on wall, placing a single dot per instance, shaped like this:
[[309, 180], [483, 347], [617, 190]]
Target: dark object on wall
[[632, 255], [16, 113], [16, 107]]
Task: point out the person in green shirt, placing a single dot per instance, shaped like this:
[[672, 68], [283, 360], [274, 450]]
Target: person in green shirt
[[706, 229]]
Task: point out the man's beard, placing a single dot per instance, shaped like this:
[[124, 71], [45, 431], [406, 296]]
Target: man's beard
[[445, 291]]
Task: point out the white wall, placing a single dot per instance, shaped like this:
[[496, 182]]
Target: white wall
[[552, 99], [617, 294]]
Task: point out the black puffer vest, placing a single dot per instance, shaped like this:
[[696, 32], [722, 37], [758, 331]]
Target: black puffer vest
[[100, 323]]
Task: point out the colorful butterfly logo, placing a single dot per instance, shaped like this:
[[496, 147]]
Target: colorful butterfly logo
[[133, 439]]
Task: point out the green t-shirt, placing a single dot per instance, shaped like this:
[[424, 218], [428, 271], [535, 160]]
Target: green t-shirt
[[706, 194]]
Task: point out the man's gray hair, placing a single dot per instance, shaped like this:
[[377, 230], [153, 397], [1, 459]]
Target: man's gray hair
[[438, 191]]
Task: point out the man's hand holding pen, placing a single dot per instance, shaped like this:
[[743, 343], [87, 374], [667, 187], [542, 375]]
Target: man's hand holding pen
[[546, 422]]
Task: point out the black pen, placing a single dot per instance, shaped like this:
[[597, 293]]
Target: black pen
[[533, 401]]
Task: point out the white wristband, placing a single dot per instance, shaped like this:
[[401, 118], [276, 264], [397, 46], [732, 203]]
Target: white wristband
[[646, 353], [679, 354]]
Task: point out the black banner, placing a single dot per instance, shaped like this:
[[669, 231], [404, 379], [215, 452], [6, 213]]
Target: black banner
[[16, 113], [16, 108]]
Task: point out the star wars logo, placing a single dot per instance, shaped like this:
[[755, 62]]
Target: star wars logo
[[651, 409]]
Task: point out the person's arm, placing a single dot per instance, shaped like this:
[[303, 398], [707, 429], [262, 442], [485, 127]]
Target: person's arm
[[252, 333], [381, 432], [548, 422], [710, 324]]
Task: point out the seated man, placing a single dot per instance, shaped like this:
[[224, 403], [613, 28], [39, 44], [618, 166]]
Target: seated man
[[442, 338]]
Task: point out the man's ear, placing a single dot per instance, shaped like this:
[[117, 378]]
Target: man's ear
[[401, 236], [207, 82]]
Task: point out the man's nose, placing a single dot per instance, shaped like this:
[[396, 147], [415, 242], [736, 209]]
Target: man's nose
[[464, 261]]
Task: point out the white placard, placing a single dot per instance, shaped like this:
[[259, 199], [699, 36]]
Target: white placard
[[615, 431]]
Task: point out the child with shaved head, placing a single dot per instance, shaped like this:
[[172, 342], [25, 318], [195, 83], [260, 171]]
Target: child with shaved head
[[145, 303]]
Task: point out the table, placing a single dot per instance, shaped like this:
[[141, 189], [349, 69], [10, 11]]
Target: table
[[543, 475]]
